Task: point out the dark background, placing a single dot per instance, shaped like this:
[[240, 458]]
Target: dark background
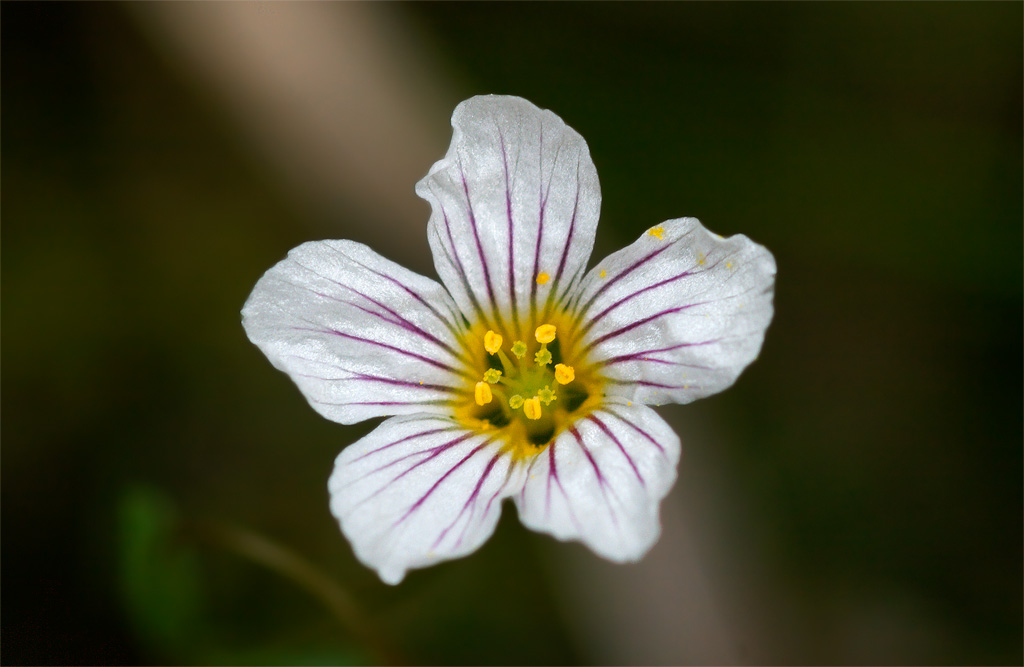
[[855, 498]]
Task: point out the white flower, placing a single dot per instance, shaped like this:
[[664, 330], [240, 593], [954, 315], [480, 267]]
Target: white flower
[[521, 375]]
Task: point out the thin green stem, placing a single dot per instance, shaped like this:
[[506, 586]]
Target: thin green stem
[[291, 565]]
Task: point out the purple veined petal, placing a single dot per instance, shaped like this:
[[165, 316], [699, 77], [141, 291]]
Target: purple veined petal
[[515, 204], [360, 335], [418, 490], [602, 480], [678, 314]]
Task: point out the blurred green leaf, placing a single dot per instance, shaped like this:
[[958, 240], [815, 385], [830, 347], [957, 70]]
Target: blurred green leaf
[[159, 572]]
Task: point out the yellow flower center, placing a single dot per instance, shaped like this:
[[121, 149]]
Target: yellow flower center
[[528, 397]]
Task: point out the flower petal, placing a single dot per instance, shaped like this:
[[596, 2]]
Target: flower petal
[[677, 315], [602, 480], [418, 490], [360, 335], [514, 206]]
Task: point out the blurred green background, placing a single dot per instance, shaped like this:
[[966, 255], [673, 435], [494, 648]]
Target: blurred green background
[[855, 498]]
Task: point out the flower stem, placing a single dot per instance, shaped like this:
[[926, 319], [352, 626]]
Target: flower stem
[[291, 565]]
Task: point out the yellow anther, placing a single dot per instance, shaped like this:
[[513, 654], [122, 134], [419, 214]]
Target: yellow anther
[[482, 393], [515, 402], [492, 375], [542, 278], [543, 357], [656, 232], [531, 408], [545, 333], [564, 374], [603, 273], [700, 258], [546, 395], [519, 349], [728, 265], [492, 342]]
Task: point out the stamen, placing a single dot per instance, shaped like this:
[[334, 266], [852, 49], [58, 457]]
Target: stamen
[[546, 395], [482, 393], [542, 278], [526, 393], [545, 333], [506, 363], [543, 357], [492, 342], [531, 408]]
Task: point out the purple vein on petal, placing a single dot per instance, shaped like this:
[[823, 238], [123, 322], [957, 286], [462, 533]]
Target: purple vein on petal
[[412, 436], [413, 355], [553, 476], [430, 453], [571, 294], [572, 227], [602, 483], [480, 248], [404, 383], [363, 377], [454, 258], [628, 270], [399, 320], [494, 496], [644, 434], [433, 453], [410, 326], [607, 431], [633, 325], [542, 196], [411, 292], [490, 501], [643, 357], [353, 375], [565, 250], [511, 235], [415, 506], [377, 403], [655, 385], [469, 504], [632, 295]]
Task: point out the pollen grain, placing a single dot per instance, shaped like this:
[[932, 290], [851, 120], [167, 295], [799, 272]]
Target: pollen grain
[[531, 408], [482, 393], [564, 374], [545, 333], [492, 342]]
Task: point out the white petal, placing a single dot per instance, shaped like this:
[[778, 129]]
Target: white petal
[[360, 335], [418, 490], [601, 481], [516, 196], [676, 318]]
